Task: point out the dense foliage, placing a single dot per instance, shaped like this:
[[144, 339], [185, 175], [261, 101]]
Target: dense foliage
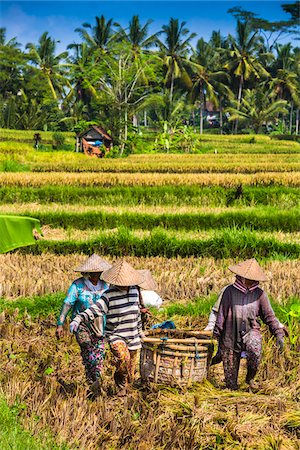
[[126, 79]]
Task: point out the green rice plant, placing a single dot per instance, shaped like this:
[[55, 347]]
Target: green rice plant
[[268, 219], [25, 136], [227, 243], [34, 307], [10, 165], [291, 315], [196, 196]]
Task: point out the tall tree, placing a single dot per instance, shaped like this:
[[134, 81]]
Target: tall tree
[[137, 35], [285, 80], [175, 50], [101, 35], [257, 108], [207, 84], [243, 62], [49, 64]]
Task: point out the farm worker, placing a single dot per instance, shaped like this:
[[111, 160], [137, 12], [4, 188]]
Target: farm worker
[[84, 292], [120, 305], [148, 296], [237, 327], [211, 325]]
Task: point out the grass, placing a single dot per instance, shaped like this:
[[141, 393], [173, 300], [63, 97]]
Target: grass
[[213, 196], [263, 219], [13, 436], [225, 243]]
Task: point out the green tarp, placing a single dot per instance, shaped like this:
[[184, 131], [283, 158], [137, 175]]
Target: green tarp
[[17, 231]]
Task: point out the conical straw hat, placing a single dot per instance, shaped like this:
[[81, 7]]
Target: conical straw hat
[[149, 284], [249, 269], [122, 274], [93, 264]]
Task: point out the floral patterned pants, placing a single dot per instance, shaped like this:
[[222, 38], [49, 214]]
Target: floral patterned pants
[[125, 362], [231, 361], [92, 353]]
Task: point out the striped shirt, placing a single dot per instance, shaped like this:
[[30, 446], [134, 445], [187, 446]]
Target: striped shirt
[[123, 317]]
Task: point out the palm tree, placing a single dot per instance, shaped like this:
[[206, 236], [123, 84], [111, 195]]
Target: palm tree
[[207, 84], [243, 62], [79, 65], [101, 36], [12, 43], [49, 64], [257, 108], [175, 50], [137, 35], [12, 64], [285, 81]]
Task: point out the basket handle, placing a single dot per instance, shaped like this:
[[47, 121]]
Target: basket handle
[[162, 345], [197, 356]]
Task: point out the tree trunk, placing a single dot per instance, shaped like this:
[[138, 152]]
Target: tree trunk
[[134, 120], [291, 117], [77, 144], [125, 123], [221, 115], [193, 116], [145, 119], [239, 100], [297, 122], [172, 87], [201, 111]]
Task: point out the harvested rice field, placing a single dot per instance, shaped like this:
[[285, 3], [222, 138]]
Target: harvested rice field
[[186, 218]]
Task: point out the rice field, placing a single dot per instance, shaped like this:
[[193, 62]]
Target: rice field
[[184, 217]]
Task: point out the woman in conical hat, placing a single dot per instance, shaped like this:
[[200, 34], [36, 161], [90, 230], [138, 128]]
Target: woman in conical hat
[[120, 305], [84, 292], [148, 296], [237, 327]]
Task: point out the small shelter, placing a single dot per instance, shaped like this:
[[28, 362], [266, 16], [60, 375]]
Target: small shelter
[[94, 141]]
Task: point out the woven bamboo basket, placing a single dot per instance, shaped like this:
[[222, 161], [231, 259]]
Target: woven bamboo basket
[[176, 357]]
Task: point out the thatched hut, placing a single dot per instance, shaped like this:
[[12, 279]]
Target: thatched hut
[[94, 141]]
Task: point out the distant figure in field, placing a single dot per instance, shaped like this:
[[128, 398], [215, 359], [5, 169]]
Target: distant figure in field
[[237, 328]]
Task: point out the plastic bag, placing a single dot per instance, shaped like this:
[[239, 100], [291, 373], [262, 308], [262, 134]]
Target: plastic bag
[[151, 298]]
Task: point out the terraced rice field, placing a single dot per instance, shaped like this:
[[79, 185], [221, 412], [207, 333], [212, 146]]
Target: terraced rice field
[[186, 218]]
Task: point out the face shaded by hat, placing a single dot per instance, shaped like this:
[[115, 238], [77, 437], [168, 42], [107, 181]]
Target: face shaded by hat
[[149, 284], [94, 264], [123, 274], [249, 269]]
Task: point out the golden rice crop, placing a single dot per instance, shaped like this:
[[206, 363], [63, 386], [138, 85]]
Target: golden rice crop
[[26, 179], [44, 381], [180, 279]]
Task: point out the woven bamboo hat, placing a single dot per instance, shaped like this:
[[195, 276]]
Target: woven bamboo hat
[[249, 269], [149, 284], [93, 264], [122, 274]]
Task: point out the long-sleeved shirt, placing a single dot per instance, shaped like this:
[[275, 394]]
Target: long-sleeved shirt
[[238, 314], [123, 318], [81, 295]]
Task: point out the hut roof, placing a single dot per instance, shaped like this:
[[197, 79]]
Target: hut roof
[[98, 130]]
